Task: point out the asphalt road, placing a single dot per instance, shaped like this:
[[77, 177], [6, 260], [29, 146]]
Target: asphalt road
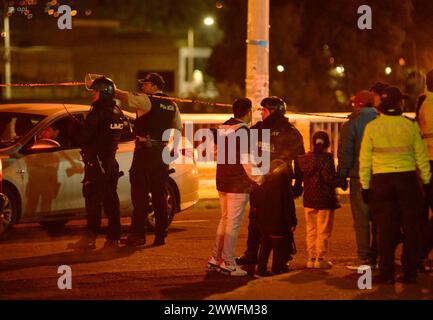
[[30, 257]]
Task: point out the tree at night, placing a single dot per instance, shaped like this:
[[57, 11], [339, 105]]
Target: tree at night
[[310, 39]]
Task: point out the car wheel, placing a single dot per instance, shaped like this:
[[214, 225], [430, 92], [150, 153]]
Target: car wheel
[[171, 197], [54, 225], [9, 216]]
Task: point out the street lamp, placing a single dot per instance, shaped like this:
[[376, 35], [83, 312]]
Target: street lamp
[[7, 53], [207, 21], [388, 71]]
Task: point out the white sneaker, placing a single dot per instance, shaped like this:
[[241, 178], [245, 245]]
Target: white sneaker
[[322, 264], [212, 264], [232, 270], [310, 263]]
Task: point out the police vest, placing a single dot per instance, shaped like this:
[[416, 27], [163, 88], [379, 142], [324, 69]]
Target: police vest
[[160, 118], [102, 129]]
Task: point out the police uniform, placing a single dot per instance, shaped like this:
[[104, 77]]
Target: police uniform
[[149, 173], [391, 150], [99, 137], [286, 144]]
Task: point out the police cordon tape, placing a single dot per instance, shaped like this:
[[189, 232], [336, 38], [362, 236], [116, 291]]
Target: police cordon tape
[[65, 84], [183, 100]]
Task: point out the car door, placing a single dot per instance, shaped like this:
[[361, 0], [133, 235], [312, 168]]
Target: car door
[[53, 178], [124, 158]]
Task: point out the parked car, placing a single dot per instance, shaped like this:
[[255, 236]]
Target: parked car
[[43, 170]]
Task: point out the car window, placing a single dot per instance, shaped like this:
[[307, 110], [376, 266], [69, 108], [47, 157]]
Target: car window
[[13, 126], [64, 131]]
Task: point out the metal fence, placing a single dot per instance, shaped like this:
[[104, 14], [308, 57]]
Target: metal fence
[[306, 124]]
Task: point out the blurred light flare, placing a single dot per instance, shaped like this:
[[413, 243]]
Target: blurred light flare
[[388, 71], [280, 68], [197, 76], [209, 21]]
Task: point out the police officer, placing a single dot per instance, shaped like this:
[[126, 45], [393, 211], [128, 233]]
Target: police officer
[[286, 144], [391, 150], [149, 172], [99, 136], [425, 120]]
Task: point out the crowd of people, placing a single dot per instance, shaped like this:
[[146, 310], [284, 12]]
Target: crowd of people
[[384, 158]]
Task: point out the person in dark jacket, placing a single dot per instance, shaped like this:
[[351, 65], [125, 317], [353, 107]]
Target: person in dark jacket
[[320, 199], [286, 143], [234, 178], [99, 137], [276, 219]]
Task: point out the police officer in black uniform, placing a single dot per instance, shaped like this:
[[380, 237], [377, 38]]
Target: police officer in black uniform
[[286, 143], [149, 172], [98, 137]]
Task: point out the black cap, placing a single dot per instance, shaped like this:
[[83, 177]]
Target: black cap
[[391, 99], [379, 88], [241, 107], [321, 137], [154, 78]]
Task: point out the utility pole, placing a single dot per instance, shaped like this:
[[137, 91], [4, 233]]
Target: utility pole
[[257, 80], [7, 52]]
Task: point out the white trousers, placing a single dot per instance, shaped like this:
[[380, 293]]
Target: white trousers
[[319, 227], [232, 212]]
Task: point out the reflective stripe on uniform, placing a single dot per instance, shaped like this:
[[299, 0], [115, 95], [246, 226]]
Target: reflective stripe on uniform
[[405, 149]]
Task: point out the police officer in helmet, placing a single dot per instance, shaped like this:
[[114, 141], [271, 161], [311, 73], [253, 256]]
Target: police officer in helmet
[[99, 136], [149, 172], [286, 144]]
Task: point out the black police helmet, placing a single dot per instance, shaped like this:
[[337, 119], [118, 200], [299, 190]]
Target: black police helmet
[[105, 86], [274, 103]]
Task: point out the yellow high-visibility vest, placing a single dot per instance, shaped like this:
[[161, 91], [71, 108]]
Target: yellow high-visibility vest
[[392, 144]]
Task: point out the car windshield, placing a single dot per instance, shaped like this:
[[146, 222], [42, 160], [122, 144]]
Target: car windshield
[[13, 126]]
